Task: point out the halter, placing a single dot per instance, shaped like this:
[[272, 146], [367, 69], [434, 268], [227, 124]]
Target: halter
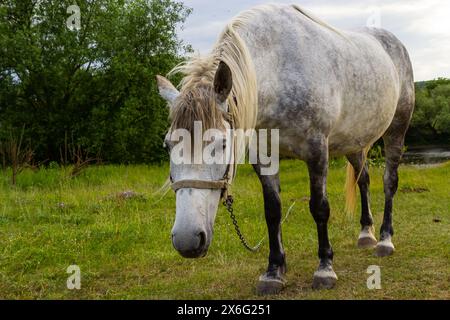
[[223, 184]]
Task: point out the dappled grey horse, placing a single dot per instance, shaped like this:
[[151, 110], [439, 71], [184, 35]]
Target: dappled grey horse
[[329, 92]]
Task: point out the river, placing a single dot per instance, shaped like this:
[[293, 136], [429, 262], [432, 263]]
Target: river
[[427, 155]]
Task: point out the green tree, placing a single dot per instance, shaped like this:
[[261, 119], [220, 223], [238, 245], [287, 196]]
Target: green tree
[[94, 85], [431, 120]]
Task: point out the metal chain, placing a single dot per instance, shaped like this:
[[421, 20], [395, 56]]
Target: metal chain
[[228, 203]]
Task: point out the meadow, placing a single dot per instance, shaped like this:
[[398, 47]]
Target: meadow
[[121, 239]]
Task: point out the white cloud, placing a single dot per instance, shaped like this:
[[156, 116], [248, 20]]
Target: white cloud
[[433, 20], [423, 26]]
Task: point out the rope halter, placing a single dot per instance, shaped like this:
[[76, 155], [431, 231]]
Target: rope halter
[[223, 184]]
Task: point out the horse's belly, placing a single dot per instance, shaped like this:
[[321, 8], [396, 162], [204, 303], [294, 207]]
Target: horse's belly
[[362, 124], [369, 102]]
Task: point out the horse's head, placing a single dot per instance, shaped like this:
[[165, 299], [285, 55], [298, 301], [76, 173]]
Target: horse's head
[[196, 172]]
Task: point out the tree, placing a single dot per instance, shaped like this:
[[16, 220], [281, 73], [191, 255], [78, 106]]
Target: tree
[[94, 85], [431, 120]]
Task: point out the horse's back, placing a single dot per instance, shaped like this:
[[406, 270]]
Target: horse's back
[[313, 78]]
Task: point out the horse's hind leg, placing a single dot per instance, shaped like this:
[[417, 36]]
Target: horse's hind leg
[[317, 162], [272, 282], [394, 140], [366, 238]]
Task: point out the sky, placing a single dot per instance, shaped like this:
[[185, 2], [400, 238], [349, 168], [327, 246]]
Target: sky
[[422, 25]]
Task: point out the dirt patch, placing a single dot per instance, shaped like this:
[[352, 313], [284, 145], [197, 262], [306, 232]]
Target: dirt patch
[[414, 190], [126, 195], [302, 199]]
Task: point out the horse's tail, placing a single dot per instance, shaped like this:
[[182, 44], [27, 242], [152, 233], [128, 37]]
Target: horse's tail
[[351, 182]]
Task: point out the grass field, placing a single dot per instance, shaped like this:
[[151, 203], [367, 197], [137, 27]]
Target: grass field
[[123, 247]]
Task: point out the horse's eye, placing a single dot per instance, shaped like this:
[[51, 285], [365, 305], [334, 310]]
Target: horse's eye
[[166, 146]]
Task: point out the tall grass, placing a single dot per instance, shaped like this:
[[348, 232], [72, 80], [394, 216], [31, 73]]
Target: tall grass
[[123, 247]]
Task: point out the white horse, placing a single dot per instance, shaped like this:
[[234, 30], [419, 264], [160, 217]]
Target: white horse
[[328, 91]]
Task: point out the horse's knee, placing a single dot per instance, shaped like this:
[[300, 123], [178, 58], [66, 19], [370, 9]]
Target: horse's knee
[[390, 182], [272, 205], [320, 209]]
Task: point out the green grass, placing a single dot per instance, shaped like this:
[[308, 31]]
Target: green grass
[[124, 250]]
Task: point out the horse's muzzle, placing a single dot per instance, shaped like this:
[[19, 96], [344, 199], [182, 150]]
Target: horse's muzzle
[[193, 246]]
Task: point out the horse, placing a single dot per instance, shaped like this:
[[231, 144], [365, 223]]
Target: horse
[[330, 92]]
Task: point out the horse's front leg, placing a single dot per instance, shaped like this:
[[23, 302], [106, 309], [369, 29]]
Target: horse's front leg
[[317, 162], [272, 282]]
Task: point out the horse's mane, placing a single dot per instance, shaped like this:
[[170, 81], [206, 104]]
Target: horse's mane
[[198, 101]]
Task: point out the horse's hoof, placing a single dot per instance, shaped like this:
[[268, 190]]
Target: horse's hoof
[[366, 239], [385, 248], [324, 279], [268, 286]]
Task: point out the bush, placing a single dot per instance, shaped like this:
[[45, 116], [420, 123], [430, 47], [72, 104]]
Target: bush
[[431, 119]]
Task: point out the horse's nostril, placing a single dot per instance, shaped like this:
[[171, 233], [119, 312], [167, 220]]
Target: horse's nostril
[[191, 245], [202, 236]]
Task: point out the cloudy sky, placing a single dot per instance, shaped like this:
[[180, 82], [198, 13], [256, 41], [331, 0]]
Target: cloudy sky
[[422, 25]]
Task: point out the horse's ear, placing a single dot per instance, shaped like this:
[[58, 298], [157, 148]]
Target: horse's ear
[[223, 81], [167, 90]]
